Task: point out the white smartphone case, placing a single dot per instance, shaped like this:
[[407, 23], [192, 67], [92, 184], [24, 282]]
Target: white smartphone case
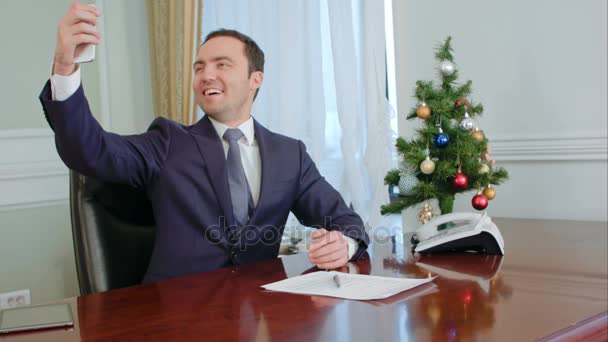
[[87, 55]]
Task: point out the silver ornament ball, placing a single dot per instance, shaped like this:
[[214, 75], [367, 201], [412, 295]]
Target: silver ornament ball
[[467, 124], [447, 68], [407, 183], [454, 123]]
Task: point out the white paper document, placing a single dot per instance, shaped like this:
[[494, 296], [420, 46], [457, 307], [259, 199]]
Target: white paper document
[[351, 286]]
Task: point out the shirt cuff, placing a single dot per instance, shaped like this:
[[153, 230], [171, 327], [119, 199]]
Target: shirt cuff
[[353, 246], [62, 87]]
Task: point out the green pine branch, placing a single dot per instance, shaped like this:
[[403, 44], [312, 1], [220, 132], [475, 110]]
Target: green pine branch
[[476, 110], [444, 51], [463, 91], [412, 114], [392, 177], [449, 81], [424, 90]]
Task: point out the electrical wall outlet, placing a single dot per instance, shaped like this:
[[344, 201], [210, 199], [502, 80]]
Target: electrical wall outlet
[[15, 298]]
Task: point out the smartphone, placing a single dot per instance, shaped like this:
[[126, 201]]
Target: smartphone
[[88, 54], [35, 317]]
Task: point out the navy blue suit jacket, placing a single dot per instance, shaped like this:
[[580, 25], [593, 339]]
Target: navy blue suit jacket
[[182, 169]]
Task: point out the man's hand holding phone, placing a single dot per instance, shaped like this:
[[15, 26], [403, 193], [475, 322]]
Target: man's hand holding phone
[[76, 32]]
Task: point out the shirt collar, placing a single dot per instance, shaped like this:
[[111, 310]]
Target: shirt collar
[[246, 127]]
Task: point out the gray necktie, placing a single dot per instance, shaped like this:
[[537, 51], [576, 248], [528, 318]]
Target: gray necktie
[[239, 190]]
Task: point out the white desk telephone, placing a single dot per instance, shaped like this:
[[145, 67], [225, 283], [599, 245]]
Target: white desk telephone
[[477, 233]]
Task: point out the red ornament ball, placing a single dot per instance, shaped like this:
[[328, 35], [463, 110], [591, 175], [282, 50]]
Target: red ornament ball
[[461, 181], [479, 201], [462, 101]]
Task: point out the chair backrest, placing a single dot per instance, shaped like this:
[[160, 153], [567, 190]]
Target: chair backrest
[[113, 229]]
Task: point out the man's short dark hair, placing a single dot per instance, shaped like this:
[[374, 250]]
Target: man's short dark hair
[[254, 54]]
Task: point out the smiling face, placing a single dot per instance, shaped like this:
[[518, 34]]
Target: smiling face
[[223, 86]]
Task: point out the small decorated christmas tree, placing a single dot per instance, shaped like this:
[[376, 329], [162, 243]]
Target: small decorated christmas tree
[[449, 153]]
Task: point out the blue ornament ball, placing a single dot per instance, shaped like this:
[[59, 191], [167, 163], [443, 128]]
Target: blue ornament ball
[[441, 140]]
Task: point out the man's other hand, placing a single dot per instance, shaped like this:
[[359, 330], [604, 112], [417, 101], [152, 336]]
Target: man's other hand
[[328, 250], [76, 29]]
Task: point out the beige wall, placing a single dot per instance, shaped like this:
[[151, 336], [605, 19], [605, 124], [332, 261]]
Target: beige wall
[[36, 248], [35, 240], [28, 35], [124, 67], [539, 68], [36, 253]]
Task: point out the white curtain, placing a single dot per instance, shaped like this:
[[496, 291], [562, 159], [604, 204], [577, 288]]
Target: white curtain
[[359, 51], [325, 83], [288, 32]]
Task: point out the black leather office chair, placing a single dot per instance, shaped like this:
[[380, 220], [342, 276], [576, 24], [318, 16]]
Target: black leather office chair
[[113, 230]]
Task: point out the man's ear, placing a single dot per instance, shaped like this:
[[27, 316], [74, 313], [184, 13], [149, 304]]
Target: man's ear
[[256, 79]]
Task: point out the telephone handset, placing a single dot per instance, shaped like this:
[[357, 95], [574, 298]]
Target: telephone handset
[[476, 233]]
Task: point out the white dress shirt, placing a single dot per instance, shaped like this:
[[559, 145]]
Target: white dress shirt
[[62, 87]]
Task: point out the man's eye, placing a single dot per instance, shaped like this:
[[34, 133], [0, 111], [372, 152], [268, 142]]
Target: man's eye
[[223, 65]]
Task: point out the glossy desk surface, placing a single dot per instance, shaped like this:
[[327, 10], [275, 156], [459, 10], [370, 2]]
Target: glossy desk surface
[[550, 285]]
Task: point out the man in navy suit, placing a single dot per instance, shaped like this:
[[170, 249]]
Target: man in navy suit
[[221, 189]]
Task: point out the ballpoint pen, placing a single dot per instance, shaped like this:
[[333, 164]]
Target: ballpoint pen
[[337, 280]]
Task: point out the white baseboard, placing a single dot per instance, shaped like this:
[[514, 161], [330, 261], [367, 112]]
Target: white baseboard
[[549, 148], [31, 172]]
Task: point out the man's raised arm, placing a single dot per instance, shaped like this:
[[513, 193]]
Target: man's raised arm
[[81, 142]]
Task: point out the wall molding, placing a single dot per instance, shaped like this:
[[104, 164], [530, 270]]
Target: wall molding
[[33, 175], [574, 148], [31, 172]]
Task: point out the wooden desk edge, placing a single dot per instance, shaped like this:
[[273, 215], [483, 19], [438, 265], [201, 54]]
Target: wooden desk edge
[[594, 328]]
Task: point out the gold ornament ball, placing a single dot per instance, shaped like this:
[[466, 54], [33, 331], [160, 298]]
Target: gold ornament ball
[[423, 112], [427, 166], [425, 214], [477, 135], [490, 193]]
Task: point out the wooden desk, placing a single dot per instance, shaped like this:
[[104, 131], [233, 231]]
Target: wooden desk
[[551, 285]]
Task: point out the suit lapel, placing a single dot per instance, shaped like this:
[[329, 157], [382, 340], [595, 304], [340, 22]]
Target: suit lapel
[[212, 151]]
